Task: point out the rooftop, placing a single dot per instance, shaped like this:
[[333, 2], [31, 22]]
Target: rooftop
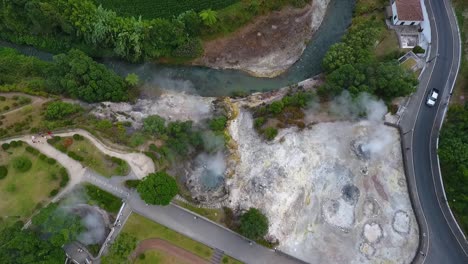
[[409, 10]]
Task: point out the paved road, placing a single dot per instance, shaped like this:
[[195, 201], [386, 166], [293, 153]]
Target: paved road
[[441, 242], [199, 229]]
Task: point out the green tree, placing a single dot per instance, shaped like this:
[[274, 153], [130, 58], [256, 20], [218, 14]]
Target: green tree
[[254, 224], [158, 188], [209, 17], [154, 124]]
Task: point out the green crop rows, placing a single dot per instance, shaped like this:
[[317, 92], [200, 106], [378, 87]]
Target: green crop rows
[[161, 8]]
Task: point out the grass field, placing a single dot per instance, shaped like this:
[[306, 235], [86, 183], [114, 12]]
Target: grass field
[[216, 215], [92, 157], [143, 228], [409, 64], [162, 8], [21, 192], [158, 257]]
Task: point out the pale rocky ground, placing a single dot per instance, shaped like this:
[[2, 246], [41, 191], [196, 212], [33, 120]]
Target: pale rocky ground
[[170, 105], [334, 193], [268, 46]]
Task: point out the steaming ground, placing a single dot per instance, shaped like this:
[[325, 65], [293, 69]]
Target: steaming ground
[[334, 193]]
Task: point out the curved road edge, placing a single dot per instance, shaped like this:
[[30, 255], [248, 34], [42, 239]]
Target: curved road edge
[[406, 129]]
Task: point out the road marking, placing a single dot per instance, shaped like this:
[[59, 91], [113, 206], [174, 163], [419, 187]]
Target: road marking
[[432, 133]]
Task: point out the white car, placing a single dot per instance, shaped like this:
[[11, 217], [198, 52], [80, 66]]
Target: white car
[[432, 97]]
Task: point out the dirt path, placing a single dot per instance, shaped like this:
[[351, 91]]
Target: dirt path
[[141, 164], [159, 244], [269, 45]]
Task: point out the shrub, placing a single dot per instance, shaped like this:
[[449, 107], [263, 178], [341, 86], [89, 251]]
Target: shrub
[[67, 142], [42, 157], [5, 146], [132, 184], [51, 161], [259, 122], [53, 192], [254, 224], [64, 178], [75, 156], [15, 144], [22, 164], [218, 123], [78, 137], [32, 150], [2, 98], [418, 50], [270, 133], [6, 108], [3, 172]]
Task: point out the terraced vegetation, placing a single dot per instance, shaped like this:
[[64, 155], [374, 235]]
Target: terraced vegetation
[[162, 8], [28, 180], [82, 150]]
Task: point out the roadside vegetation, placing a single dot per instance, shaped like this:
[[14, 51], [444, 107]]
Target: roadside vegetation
[[453, 154], [103, 199], [28, 179], [461, 86], [82, 150]]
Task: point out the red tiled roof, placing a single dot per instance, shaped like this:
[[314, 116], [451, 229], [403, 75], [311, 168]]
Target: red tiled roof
[[409, 10]]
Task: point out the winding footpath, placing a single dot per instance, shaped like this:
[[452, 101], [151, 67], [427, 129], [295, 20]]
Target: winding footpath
[[173, 216]]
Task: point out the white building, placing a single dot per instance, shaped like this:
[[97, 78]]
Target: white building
[[407, 12]]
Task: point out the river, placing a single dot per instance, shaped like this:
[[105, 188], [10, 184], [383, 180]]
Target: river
[[211, 82]]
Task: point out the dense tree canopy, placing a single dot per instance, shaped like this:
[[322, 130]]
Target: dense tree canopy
[[57, 225], [158, 188], [60, 24], [254, 224], [453, 153], [26, 246], [77, 75], [385, 79]]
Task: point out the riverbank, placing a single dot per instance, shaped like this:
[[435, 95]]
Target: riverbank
[[268, 46]]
